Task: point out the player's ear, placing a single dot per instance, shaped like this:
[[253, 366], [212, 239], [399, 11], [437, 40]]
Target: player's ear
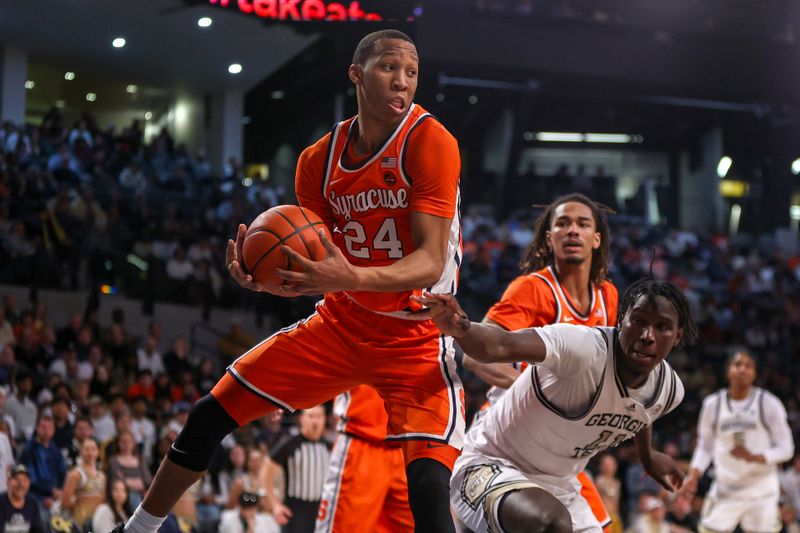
[[597, 241], [355, 73], [547, 240], [679, 338]]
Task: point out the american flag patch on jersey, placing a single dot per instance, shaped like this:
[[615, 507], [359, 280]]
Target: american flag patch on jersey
[[389, 162]]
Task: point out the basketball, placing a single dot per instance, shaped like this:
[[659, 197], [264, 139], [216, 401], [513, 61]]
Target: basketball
[[288, 225]]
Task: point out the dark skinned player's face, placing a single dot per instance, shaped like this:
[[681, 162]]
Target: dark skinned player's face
[[741, 371], [648, 332], [387, 82]]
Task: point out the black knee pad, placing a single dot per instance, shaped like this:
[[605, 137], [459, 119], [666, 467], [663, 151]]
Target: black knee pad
[[207, 425], [429, 496]]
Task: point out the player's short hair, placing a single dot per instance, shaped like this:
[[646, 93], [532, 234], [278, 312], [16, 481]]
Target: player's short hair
[[735, 350], [650, 288], [366, 47], [539, 255]]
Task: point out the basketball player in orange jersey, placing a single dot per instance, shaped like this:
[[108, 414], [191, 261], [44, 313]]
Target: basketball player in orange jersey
[[563, 280], [366, 487], [385, 182]]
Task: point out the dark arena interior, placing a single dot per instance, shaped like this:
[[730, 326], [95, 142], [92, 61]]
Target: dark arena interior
[[137, 135]]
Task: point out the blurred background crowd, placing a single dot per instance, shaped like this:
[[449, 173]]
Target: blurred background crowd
[[130, 149], [83, 209]]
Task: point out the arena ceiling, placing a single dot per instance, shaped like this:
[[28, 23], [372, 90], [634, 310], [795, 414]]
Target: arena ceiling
[[164, 45]]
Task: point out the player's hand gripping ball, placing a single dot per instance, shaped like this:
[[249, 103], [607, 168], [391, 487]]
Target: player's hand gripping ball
[[282, 225]]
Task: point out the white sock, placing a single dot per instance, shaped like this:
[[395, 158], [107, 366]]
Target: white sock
[[143, 522]]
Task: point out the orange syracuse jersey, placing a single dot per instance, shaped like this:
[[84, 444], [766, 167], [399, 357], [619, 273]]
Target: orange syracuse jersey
[[367, 203]]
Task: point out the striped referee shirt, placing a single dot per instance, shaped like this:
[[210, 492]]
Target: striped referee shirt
[[305, 463]]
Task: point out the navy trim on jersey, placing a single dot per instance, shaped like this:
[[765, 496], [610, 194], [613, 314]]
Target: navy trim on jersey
[[761, 414], [555, 296], [383, 145], [454, 406], [568, 301], [719, 407], [671, 397], [544, 401], [403, 167], [752, 398], [451, 387], [334, 502], [623, 390], [246, 386], [328, 153], [663, 369], [346, 399], [437, 440]]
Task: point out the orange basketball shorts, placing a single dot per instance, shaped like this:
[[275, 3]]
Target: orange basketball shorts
[[342, 345], [592, 497], [365, 489]]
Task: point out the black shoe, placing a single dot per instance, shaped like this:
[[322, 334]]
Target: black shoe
[[119, 528]]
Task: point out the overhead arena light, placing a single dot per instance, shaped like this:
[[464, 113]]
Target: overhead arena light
[[570, 137], [621, 138], [91, 97], [556, 136], [30, 84], [69, 76], [119, 42], [131, 88], [204, 22], [724, 166], [796, 166], [235, 68]]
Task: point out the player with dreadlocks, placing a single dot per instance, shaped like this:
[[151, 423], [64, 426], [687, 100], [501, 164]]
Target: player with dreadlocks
[[562, 281], [587, 389]]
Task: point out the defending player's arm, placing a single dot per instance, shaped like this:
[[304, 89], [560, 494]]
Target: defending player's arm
[[660, 466], [486, 342], [782, 442], [703, 452], [498, 374], [433, 165], [526, 302]]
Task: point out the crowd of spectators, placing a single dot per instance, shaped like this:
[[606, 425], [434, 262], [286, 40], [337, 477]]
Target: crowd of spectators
[[89, 410], [81, 207]]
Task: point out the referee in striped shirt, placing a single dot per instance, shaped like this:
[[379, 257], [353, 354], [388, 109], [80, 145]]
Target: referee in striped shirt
[[304, 460]]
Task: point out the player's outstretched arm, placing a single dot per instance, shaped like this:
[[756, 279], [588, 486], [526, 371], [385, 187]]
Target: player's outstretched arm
[[485, 343], [497, 374], [660, 466]]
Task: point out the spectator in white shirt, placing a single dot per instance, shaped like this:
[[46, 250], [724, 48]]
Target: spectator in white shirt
[[144, 429], [148, 357], [21, 408], [103, 427]]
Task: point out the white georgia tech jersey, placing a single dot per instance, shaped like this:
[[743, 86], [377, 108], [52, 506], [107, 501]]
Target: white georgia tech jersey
[[759, 424], [571, 406]]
